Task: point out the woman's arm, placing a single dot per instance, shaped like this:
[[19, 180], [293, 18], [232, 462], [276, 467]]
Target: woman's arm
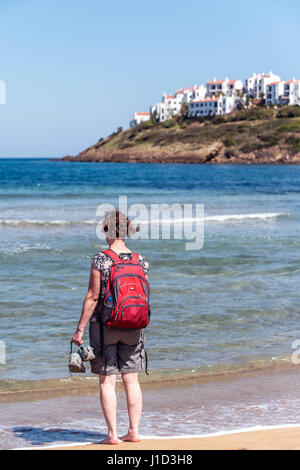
[[89, 305]]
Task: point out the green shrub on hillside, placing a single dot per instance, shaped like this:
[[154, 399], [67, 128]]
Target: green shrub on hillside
[[229, 142], [294, 142], [252, 146], [147, 124], [169, 123], [289, 112], [269, 140], [131, 135], [252, 114], [219, 119]]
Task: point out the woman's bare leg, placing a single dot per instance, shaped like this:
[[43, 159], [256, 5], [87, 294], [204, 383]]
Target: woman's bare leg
[[108, 401], [134, 405]]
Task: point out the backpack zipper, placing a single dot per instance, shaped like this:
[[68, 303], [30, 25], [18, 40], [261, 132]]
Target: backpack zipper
[[125, 275], [125, 298]]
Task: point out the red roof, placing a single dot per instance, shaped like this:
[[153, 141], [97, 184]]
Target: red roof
[[205, 100], [292, 81], [274, 83], [142, 114], [170, 96], [218, 82], [266, 76], [212, 82]]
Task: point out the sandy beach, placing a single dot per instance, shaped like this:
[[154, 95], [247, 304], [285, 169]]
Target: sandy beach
[[282, 438]]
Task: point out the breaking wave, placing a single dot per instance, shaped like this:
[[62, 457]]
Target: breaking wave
[[210, 218]]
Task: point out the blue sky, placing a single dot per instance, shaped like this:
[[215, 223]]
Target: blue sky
[[75, 70]]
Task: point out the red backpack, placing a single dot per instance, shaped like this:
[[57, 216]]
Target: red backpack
[[125, 303]]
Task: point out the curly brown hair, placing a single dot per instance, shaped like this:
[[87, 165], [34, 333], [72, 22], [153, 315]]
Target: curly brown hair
[[117, 226]]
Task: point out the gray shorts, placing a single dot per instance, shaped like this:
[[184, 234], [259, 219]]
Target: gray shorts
[[123, 350]]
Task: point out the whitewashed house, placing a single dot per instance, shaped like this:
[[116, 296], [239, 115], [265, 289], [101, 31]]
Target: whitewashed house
[[205, 107], [167, 108], [256, 86], [173, 103], [138, 118], [192, 92], [170, 105], [184, 93], [159, 111], [229, 104], [291, 93], [225, 96], [226, 87], [199, 92], [274, 93], [212, 106]]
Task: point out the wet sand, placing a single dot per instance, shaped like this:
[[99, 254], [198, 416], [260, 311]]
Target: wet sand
[[250, 402], [285, 438]]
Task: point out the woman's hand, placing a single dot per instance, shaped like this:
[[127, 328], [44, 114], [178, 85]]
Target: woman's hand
[[77, 338]]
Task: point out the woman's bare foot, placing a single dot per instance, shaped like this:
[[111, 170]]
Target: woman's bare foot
[[131, 436], [111, 440]]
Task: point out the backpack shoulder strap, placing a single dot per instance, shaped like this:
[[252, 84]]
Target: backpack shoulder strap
[[111, 254], [115, 257]]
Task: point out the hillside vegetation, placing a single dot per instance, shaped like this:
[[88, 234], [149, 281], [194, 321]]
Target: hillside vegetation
[[258, 135]]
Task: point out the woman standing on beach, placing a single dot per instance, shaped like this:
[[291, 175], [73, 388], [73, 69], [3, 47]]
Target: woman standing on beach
[[121, 349]]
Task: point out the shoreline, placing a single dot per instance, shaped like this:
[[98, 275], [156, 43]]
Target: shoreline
[[160, 379], [276, 157], [226, 405], [281, 437]]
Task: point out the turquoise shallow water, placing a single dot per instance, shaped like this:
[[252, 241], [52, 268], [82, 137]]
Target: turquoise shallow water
[[236, 299]]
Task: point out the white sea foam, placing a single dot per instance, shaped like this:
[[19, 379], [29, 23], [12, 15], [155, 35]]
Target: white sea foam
[[209, 218], [32, 222], [220, 218], [234, 217], [183, 436]]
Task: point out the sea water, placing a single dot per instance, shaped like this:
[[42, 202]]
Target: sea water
[[235, 301]]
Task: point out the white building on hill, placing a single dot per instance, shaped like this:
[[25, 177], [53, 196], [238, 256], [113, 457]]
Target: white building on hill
[[159, 110], [225, 96], [167, 108], [185, 94], [199, 93], [226, 87], [170, 105], [274, 92], [283, 93], [202, 101], [205, 107], [138, 118], [291, 93], [212, 106], [173, 103], [256, 86]]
